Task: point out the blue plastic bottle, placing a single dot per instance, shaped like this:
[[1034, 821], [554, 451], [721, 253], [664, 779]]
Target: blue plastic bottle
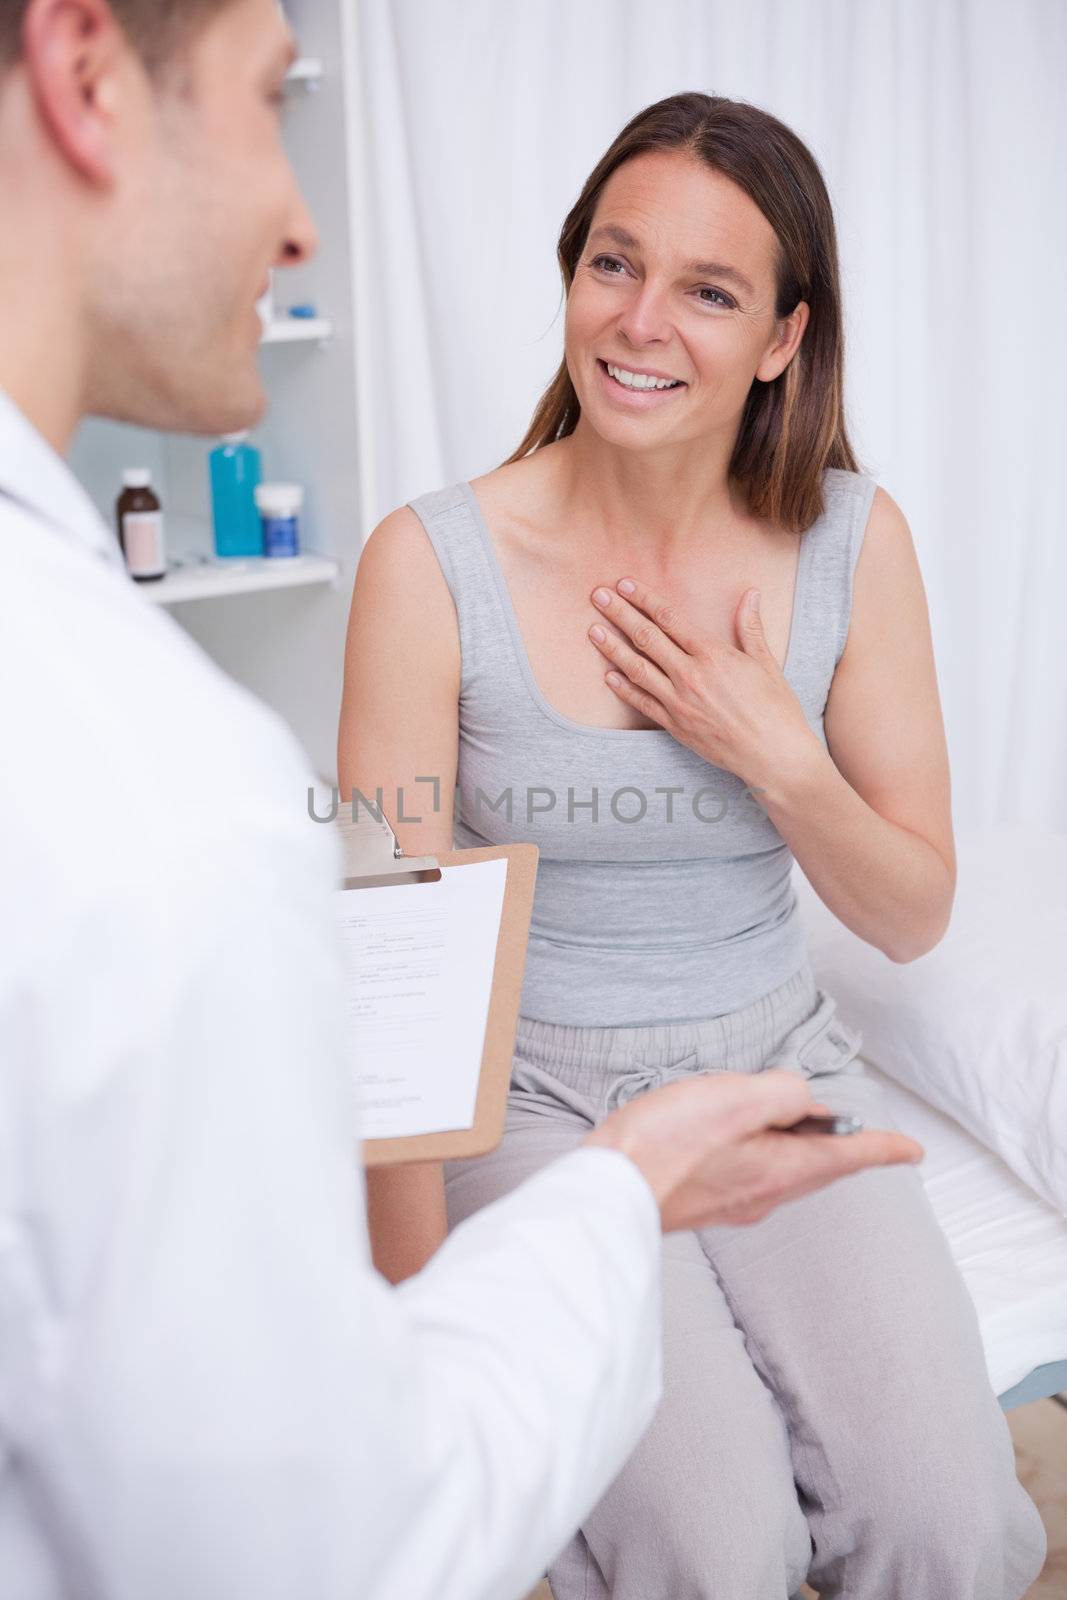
[[236, 468]]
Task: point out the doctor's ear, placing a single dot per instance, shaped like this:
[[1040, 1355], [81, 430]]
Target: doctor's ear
[[77, 58], [788, 333]]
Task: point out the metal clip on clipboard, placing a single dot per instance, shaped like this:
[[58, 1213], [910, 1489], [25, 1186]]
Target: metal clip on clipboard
[[374, 858]]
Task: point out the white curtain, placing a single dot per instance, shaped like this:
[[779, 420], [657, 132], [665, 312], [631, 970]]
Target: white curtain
[[941, 129]]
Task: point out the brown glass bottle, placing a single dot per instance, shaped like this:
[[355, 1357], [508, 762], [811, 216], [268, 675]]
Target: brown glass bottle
[[140, 525]]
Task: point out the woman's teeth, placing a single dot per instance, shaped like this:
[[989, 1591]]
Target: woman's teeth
[[639, 380]]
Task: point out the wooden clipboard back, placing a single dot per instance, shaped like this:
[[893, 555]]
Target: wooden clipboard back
[[505, 993]]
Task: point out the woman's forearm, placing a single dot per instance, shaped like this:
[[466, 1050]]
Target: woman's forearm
[[406, 1216], [891, 887]]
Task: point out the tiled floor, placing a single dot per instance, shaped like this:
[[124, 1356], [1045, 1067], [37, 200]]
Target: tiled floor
[[1040, 1434]]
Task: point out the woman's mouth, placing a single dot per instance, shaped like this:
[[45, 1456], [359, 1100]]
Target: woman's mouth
[[634, 390]]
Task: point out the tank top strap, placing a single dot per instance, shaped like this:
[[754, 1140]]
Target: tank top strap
[[449, 519], [828, 557]]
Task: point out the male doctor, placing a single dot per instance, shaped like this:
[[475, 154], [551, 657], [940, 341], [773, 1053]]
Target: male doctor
[[206, 1391]]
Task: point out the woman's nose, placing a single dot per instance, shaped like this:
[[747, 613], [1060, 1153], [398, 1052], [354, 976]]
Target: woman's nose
[[644, 320]]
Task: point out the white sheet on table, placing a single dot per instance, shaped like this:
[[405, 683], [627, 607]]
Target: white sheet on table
[[1010, 1244]]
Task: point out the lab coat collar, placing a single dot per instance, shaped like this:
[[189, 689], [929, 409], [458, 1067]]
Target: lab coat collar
[[34, 475]]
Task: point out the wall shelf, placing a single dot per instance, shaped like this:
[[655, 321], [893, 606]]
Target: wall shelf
[[207, 580], [294, 330]]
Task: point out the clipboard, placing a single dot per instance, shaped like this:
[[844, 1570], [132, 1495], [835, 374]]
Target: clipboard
[[372, 858]]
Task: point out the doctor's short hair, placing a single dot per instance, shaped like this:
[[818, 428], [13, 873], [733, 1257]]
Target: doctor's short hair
[[793, 427], [157, 29]]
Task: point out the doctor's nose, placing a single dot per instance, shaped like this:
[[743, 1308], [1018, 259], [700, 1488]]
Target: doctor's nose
[[301, 241]]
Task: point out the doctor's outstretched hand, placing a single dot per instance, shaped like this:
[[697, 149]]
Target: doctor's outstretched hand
[[713, 1148]]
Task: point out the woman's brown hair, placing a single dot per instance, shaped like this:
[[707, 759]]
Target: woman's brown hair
[[793, 426]]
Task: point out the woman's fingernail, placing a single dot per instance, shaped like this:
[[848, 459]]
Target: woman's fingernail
[[597, 634], [601, 596], [626, 586]]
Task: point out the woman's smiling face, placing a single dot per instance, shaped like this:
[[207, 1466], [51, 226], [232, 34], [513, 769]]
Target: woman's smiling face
[[676, 279]]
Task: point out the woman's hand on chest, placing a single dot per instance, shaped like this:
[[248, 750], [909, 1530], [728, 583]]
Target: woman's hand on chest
[[732, 706]]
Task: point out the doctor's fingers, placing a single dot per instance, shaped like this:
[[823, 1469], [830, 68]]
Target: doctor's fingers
[[781, 1167]]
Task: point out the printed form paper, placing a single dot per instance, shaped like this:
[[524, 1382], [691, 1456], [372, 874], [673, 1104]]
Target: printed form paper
[[420, 961]]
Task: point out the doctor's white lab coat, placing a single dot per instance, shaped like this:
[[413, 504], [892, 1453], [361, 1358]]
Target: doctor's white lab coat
[[206, 1391]]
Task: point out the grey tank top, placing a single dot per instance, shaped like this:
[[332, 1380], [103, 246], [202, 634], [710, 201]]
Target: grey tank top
[[663, 888]]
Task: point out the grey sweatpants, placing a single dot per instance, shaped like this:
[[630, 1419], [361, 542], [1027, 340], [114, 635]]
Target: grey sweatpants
[[826, 1409]]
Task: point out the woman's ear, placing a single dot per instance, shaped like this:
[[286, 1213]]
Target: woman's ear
[[788, 333]]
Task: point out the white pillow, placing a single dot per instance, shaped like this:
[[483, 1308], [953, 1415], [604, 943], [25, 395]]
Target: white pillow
[[978, 1025]]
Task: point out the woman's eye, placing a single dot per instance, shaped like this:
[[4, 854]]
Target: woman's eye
[[724, 299], [606, 263]]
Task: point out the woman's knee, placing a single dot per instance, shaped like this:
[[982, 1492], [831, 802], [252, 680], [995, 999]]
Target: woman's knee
[[961, 1513], [969, 1513]]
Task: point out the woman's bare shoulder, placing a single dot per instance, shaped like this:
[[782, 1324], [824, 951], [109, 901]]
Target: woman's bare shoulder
[[400, 533], [399, 556], [402, 592]]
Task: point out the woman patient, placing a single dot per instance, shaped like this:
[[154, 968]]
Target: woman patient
[[677, 640]]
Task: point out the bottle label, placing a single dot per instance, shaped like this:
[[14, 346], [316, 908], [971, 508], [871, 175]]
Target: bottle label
[[280, 536], [142, 536]]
